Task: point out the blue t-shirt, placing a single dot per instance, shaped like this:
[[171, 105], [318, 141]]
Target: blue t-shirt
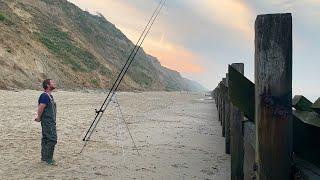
[[44, 99]]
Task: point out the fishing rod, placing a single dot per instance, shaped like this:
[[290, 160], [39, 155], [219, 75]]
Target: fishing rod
[[119, 79], [122, 73], [113, 86], [119, 75]]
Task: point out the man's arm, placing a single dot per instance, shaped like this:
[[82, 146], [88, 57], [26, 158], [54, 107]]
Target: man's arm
[[40, 111]]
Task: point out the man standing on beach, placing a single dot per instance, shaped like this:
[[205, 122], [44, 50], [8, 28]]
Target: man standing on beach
[[47, 116]]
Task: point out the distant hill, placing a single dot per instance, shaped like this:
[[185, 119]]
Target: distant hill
[[56, 39]]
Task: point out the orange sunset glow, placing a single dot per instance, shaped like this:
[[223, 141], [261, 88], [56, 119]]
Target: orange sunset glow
[[170, 55]]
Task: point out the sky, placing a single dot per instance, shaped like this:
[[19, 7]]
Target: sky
[[199, 38]]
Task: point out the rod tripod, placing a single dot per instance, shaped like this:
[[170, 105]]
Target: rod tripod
[[120, 116]]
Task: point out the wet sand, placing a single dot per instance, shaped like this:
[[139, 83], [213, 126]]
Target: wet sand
[[177, 134]]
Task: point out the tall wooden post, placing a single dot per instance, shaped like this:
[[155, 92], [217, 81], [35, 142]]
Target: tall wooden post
[[220, 102], [236, 135], [216, 96], [227, 119], [273, 94], [224, 81]]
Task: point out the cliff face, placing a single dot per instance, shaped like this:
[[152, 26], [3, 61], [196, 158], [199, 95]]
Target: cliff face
[[56, 39]]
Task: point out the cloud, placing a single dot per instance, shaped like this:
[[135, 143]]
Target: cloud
[[177, 58], [172, 56], [232, 14], [119, 12]]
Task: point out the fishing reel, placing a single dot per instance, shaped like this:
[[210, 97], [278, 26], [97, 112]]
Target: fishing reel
[[98, 111]]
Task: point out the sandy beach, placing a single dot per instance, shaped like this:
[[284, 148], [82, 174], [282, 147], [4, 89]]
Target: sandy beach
[[177, 134]]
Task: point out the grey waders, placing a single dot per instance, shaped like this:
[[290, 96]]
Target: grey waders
[[49, 132]]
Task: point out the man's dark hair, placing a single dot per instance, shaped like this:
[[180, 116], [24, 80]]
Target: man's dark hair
[[45, 83]]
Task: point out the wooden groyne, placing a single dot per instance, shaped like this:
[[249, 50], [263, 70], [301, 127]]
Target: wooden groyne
[[269, 134]]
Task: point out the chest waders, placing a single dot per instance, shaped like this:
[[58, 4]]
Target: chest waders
[[49, 132]]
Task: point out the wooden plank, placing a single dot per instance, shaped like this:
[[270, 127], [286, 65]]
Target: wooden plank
[[301, 103], [316, 106], [306, 170], [236, 134], [273, 95], [305, 138], [311, 118], [241, 92]]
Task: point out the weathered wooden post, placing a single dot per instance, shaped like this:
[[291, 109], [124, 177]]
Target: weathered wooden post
[[224, 83], [249, 146], [215, 96], [220, 103], [236, 134], [227, 119], [241, 93], [273, 95]]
